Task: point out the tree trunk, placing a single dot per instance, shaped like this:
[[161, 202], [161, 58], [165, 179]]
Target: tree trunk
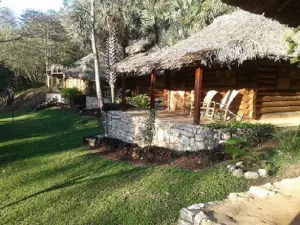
[[112, 93], [95, 56]]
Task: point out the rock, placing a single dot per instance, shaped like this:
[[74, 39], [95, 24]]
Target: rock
[[200, 145], [208, 222], [187, 134], [238, 173], [260, 192], [199, 217], [182, 222], [263, 173], [185, 140], [192, 141], [231, 168], [222, 142], [187, 215], [226, 136], [239, 165], [199, 138], [235, 197], [251, 175], [196, 206]]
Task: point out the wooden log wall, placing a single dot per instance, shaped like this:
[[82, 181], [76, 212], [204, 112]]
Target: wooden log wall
[[283, 94], [264, 87]]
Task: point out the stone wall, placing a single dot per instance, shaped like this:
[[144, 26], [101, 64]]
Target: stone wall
[[168, 134], [91, 103], [238, 207], [55, 97]]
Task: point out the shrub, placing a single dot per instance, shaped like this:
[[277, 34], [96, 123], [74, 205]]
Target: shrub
[[75, 96], [237, 147], [141, 101], [254, 133], [289, 140]]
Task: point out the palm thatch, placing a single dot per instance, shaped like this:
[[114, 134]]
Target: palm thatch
[[139, 46], [84, 69], [230, 39]]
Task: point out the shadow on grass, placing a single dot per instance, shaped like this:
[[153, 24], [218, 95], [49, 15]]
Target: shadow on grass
[[120, 176], [53, 126]]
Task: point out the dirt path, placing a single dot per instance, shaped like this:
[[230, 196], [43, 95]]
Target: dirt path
[[277, 204]]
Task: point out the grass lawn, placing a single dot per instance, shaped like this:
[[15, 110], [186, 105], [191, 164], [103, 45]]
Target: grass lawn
[[48, 177]]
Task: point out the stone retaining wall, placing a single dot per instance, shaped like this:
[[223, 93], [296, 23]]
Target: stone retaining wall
[[168, 134], [54, 97], [209, 213], [91, 103]]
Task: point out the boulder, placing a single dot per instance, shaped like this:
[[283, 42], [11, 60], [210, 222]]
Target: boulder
[[187, 215], [260, 192], [263, 173], [231, 168], [251, 175], [239, 165], [238, 173]]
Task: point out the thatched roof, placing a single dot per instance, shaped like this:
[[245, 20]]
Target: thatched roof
[[82, 70], [285, 11], [139, 46], [230, 39]]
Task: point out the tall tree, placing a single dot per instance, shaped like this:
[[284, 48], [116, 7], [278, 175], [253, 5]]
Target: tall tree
[[95, 54], [82, 25]]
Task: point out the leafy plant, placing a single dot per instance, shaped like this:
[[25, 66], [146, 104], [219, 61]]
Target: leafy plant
[[141, 101], [75, 96], [289, 140], [293, 46], [237, 147], [148, 132]]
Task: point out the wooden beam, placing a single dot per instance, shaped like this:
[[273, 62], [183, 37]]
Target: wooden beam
[[64, 81], [152, 90], [197, 99], [123, 89]]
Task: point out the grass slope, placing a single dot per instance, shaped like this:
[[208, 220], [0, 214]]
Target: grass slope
[[48, 177]]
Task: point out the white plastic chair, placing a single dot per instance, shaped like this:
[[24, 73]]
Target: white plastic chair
[[208, 106], [226, 101]]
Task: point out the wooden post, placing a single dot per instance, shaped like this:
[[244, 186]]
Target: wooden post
[[64, 83], [123, 89], [152, 90], [197, 99]]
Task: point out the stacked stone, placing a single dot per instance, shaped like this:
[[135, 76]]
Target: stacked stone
[[174, 136], [91, 103]]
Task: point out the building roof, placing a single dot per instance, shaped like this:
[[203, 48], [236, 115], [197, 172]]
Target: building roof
[[285, 11], [82, 70], [230, 39]]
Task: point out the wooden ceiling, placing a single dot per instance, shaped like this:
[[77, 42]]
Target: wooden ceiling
[[285, 11]]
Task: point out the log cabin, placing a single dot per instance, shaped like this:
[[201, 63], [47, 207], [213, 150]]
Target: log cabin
[[75, 77], [62, 78], [241, 51]]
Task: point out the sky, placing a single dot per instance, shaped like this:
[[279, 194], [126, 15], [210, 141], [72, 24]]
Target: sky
[[19, 5]]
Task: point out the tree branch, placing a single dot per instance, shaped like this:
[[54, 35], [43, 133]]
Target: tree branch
[[13, 39]]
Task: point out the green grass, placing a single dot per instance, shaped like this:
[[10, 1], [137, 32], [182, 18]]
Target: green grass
[[48, 177]]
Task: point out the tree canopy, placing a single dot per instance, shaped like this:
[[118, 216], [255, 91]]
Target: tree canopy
[[31, 43]]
